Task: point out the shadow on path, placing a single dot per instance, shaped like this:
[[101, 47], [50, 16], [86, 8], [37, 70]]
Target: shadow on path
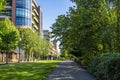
[[69, 70]]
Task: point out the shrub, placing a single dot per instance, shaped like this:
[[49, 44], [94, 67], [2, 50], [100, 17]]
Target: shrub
[[86, 59], [106, 67], [113, 69]]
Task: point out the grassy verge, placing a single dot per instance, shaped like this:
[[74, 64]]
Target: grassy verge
[[27, 71]]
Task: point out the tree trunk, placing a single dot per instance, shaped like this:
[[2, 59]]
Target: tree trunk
[[2, 57], [19, 55], [6, 57]]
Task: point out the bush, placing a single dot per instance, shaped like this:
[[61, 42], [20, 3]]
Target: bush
[[106, 67], [86, 59]]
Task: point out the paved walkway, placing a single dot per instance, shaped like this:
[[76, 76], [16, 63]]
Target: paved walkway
[[69, 70]]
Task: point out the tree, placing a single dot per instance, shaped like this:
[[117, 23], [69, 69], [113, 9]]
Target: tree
[[33, 45], [44, 48], [61, 30], [60, 27], [9, 36], [88, 29], [117, 2], [29, 38], [2, 4], [37, 48]]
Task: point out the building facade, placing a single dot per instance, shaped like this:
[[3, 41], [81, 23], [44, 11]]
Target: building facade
[[47, 35], [24, 14], [52, 47]]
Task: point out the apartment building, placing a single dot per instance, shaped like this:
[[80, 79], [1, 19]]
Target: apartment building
[[53, 47], [24, 14], [47, 35]]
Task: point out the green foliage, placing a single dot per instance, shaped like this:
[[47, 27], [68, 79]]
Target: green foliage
[[3, 3], [117, 3], [100, 46], [9, 35], [33, 44], [45, 46], [89, 29], [27, 71], [56, 56], [28, 39], [106, 67], [43, 49], [86, 59]]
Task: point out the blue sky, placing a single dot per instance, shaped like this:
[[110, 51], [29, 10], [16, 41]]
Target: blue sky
[[51, 9]]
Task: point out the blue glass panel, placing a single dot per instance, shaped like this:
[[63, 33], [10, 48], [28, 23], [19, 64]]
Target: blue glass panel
[[23, 9], [23, 4]]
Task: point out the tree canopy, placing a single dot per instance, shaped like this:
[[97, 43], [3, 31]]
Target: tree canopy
[[9, 36], [89, 28], [33, 44]]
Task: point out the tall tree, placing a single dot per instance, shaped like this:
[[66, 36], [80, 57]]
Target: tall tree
[[88, 29], [29, 38], [9, 36], [33, 45], [118, 24], [44, 48], [41, 49]]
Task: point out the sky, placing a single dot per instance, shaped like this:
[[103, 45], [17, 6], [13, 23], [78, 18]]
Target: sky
[[51, 9]]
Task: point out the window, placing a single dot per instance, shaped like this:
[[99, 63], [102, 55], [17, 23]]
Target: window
[[23, 15], [5, 13], [24, 4], [22, 21]]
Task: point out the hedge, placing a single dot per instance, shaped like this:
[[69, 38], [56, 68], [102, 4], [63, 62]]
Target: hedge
[[106, 67]]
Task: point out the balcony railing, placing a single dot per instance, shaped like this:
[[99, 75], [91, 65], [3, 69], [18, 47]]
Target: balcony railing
[[8, 7]]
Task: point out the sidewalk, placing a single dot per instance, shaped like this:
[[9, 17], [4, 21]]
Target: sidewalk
[[69, 70]]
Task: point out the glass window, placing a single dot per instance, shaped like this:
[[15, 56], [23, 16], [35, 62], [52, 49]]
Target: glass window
[[5, 13], [24, 4], [23, 15], [22, 21]]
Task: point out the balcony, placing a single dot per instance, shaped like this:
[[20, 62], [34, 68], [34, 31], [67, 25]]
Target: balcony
[[35, 27], [36, 19], [8, 7], [5, 17], [36, 12], [35, 3]]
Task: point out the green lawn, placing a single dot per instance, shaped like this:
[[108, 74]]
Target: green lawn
[[27, 71]]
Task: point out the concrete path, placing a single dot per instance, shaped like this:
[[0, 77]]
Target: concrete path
[[69, 70]]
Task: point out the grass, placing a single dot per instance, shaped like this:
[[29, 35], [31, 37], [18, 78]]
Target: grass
[[27, 71]]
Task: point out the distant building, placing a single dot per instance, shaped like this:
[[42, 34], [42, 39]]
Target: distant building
[[53, 48], [55, 44], [47, 35], [41, 23]]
